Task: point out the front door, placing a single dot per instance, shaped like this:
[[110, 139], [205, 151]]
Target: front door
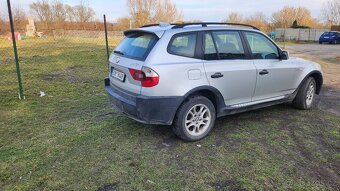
[[275, 77]]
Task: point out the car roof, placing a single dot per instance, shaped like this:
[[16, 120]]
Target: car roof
[[160, 30]]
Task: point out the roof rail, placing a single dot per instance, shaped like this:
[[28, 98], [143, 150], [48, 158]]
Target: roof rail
[[204, 24]]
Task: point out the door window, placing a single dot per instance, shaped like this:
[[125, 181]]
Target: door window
[[183, 45], [229, 45], [261, 47], [210, 52]]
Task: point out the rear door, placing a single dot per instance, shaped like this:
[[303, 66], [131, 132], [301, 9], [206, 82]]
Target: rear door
[[275, 77], [130, 54], [227, 66]]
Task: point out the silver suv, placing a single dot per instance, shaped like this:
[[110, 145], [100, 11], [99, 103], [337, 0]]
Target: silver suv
[[187, 75]]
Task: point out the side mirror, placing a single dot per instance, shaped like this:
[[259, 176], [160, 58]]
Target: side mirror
[[284, 55]]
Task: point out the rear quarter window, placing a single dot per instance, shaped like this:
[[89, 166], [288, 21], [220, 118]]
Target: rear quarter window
[[183, 44], [137, 45]]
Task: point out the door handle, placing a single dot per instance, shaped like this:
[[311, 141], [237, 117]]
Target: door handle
[[217, 75], [264, 72]]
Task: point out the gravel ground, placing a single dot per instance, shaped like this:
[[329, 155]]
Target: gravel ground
[[323, 51]]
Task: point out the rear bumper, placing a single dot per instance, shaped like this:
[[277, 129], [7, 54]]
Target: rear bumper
[[144, 109]]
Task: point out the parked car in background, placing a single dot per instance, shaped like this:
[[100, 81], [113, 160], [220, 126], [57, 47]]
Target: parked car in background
[[332, 37], [187, 75]]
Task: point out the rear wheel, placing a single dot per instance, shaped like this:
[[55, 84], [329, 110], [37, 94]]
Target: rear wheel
[[306, 95], [195, 119], [320, 42]]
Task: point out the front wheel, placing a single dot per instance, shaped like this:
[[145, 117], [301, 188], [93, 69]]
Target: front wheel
[[194, 119], [305, 97]]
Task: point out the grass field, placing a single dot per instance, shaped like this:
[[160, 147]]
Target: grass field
[[72, 139]]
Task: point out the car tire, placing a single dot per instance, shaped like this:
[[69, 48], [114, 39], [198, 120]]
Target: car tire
[[194, 119], [305, 98], [320, 42]]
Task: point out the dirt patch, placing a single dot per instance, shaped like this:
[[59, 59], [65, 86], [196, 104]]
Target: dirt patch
[[329, 100], [109, 187], [110, 114], [53, 76], [228, 185]]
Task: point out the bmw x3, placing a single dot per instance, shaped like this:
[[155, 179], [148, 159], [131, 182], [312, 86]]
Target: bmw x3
[[187, 75]]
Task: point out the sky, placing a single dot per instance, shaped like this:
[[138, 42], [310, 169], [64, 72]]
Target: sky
[[205, 10]]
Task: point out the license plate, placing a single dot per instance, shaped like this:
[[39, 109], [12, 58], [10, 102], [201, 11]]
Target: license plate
[[118, 75], [326, 37]]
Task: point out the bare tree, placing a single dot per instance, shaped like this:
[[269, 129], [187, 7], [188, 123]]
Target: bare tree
[[83, 12], [19, 16], [234, 17], [43, 11], [3, 11], [331, 12], [141, 11], [259, 20], [286, 16], [147, 11], [122, 23], [59, 12], [166, 11], [69, 13]]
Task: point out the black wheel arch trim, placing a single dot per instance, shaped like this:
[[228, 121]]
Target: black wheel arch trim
[[218, 97], [319, 81]]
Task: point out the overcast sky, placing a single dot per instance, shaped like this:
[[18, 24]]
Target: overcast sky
[[206, 10]]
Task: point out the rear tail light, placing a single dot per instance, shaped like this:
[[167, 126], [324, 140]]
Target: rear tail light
[[146, 76]]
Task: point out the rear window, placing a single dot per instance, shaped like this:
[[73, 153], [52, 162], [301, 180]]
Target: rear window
[[329, 33], [136, 45]]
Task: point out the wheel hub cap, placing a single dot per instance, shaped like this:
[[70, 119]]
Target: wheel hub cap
[[310, 93], [198, 119]]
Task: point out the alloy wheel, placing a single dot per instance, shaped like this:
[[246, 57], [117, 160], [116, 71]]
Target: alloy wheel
[[197, 120]]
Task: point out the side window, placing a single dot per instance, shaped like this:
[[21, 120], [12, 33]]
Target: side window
[[229, 45], [210, 52], [183, 45], [261, 47]]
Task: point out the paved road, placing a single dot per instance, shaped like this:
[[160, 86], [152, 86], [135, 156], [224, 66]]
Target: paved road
[[323, 51]]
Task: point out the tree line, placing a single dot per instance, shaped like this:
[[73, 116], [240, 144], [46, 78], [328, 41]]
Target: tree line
[[154, 11], [53, 14]]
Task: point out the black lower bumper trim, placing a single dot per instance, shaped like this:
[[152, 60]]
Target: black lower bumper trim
[[145, 109]]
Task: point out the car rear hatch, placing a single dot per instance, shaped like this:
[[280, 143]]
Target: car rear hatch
[[128, 59]]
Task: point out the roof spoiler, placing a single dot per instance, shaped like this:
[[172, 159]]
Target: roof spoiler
[[159, 34]]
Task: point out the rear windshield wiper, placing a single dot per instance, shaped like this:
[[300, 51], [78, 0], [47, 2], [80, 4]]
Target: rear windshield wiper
[[118, 52]]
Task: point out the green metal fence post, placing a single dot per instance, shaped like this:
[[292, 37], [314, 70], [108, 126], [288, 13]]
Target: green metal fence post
[[21, 94], [106, 39]]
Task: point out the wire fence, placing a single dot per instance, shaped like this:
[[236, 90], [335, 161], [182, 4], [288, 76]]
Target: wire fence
[[39, 48]]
